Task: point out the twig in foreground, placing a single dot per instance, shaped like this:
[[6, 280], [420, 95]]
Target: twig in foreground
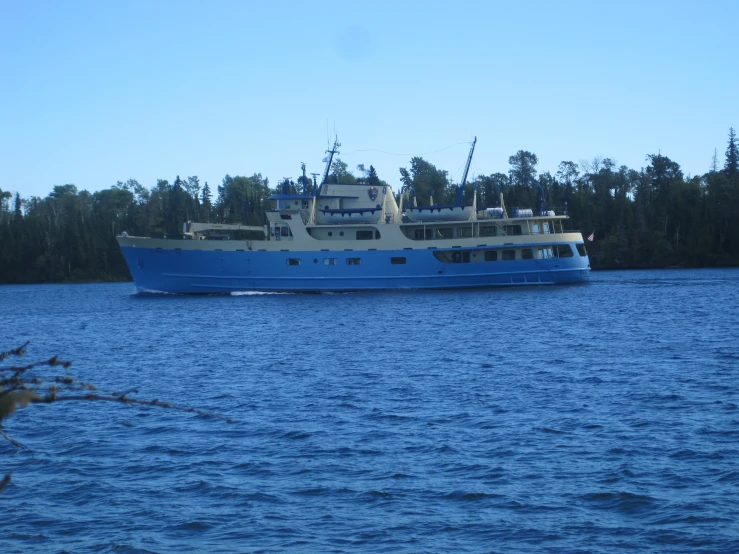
[[126, 400]]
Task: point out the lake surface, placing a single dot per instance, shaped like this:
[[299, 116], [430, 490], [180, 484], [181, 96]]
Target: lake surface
[[593, 418]]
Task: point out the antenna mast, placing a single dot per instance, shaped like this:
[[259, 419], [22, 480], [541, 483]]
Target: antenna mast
[[315, 181], [330, 158]]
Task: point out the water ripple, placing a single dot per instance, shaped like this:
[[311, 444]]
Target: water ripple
[[568, 419]]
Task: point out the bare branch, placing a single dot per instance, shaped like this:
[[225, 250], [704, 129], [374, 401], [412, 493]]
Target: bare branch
[[50, 399], [20, 387], [11, 441], [4, 482], [15, 352]]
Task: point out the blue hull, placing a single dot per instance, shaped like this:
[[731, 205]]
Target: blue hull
[[201, 271]]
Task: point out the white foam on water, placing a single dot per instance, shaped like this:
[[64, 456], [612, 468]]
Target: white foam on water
[[255, 293]]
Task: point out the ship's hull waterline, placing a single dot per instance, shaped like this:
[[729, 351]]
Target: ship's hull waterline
[[182, 271]]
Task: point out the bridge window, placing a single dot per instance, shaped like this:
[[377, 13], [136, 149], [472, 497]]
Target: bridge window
[[563, 251], [581, 249]]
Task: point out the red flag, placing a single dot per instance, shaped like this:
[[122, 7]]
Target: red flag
[[591, 238]]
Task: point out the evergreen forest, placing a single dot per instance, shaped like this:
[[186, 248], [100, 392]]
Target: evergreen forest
[[652, 217]]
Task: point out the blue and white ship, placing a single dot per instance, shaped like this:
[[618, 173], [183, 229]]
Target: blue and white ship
[[353, 237]]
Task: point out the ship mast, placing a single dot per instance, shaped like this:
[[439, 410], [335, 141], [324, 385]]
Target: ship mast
[[329, 160], [460, 188]]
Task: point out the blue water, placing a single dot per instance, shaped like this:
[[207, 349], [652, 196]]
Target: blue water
[[593, 418]]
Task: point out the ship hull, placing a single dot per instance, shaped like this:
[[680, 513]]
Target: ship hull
[[223, 271]]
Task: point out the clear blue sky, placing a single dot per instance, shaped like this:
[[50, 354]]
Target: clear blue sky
[[101, 91]]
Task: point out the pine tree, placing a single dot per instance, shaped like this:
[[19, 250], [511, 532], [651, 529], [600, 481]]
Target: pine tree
[[206, 201], [732, 157], [714, 161], [372, 177], [18, 208]]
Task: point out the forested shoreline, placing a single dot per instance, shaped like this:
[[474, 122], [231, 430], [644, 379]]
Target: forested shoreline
[[653, 217]]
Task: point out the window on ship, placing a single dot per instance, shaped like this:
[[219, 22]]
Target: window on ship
[[527, 254], [512, 230], [423, 234], [509, 255], [563, 251], [545, 253], [293, 261], [454, 257], [581, 249], [397, 261]]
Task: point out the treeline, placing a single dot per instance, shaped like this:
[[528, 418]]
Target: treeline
[[651, 217]]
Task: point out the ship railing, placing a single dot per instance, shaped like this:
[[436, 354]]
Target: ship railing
[[513, 213], [436, 234]]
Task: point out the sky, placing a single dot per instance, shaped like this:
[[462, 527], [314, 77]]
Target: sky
[[92, 93]]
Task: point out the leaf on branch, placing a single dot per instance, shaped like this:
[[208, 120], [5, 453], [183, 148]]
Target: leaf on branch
[[9, 401]]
